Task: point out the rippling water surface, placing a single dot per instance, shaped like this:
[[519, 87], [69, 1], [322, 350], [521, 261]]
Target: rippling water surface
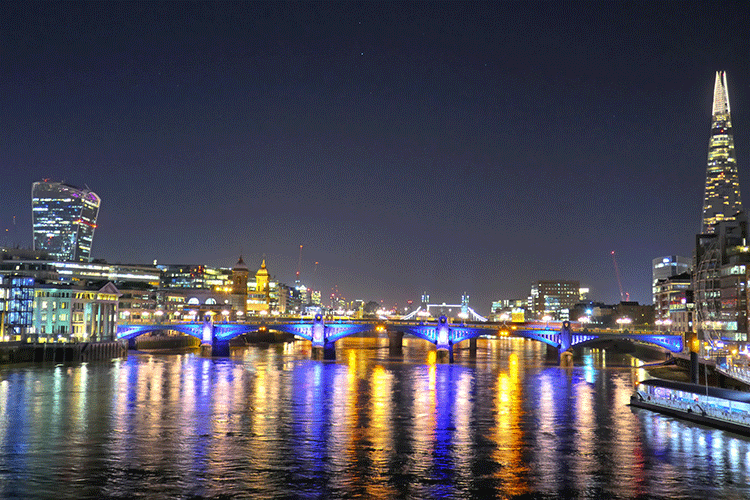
[[269, 422]]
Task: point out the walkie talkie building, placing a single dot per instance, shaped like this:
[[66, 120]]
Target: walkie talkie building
[[64, 220]]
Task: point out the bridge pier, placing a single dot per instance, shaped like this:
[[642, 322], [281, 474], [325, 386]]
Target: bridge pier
[[444, 355], [566, 359], [132, 344], [560, 357], [326, 352], [442, 341], [395, 342], [473, 348], [217, 348]]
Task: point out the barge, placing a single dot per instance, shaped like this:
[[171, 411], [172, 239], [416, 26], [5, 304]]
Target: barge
[[713, 406]]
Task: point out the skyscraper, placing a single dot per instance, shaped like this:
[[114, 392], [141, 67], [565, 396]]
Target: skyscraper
[[64, 220], [721, 200]]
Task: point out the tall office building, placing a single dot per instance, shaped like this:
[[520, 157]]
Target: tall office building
[[554, 298], [721, 200], [666, 267], [64, 220]]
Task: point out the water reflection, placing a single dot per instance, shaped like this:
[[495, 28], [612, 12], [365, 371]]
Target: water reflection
[[270, 422]]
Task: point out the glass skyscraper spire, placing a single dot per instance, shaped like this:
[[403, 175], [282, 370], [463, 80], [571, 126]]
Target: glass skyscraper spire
[[64, 219], [721, 200]]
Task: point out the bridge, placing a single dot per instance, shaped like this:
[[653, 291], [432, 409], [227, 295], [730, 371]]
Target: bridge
[[215, 337]]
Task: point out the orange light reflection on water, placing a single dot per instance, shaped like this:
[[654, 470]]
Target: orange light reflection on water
[[507, 434]]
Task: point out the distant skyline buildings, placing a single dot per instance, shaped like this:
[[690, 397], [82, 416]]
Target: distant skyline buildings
[[554, 298], [51, 210], [721, 200], [64, 220]]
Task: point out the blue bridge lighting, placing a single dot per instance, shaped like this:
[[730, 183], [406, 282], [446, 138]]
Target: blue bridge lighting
[[442, 333]]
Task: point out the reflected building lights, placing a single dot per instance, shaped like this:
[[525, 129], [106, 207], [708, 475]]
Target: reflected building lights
[[424, 416], [359, 426], [508, 434], [381, 431], [585, 439]]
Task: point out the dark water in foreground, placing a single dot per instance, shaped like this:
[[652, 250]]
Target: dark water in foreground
[[271, 423]]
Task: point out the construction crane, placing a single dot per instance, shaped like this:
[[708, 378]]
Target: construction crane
[[299, 264], [624, 296]]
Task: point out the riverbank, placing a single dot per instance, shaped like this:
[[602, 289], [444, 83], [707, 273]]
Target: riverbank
[[669, 372], [21, 352], [678, 370]]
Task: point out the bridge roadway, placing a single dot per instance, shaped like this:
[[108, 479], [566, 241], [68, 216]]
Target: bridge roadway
[[215, 337]]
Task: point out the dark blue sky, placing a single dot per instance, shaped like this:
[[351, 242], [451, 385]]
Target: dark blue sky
[[441, 147]]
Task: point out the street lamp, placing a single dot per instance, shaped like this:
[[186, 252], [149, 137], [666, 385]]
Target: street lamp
[[623, 321]]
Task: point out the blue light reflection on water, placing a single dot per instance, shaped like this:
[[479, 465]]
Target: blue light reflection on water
[[270, 422]]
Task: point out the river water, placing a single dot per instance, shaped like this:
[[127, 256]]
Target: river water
[[269, 422]]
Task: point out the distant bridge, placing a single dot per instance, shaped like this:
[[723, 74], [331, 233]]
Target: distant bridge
[[442, 333]]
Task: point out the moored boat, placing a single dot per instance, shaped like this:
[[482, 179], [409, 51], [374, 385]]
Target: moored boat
[[722, 408]]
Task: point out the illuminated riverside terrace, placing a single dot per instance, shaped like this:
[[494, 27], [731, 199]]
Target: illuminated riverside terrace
[[269, 422]]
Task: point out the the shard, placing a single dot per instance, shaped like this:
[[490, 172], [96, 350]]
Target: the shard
[[721, 199]]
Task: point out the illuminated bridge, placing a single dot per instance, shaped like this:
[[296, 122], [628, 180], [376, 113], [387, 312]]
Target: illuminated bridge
[[442, 333]]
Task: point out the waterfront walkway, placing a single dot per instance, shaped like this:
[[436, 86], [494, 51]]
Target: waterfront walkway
[[740, 373]]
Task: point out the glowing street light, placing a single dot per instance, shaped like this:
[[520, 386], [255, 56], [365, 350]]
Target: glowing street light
[[623, 321], [547, 318]]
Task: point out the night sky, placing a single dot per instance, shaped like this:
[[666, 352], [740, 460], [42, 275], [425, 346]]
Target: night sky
[[440, 147]]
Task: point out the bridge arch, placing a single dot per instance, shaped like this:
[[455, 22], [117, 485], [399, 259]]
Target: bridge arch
[[127, 332], [671, 343]]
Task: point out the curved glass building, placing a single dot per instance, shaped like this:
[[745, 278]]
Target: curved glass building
[[64, 220]]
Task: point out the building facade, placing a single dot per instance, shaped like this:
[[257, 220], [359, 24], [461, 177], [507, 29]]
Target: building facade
[[720, 281], [508, 310], [673, 303], [67, 313], [665, 267], [554, 299], [721, 200], [64, 220], [196, 276], [259, 297]]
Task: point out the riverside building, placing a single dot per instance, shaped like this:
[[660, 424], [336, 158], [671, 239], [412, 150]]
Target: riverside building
[[722, 254]]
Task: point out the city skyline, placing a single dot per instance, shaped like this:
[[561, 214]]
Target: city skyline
[[445, 148]]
